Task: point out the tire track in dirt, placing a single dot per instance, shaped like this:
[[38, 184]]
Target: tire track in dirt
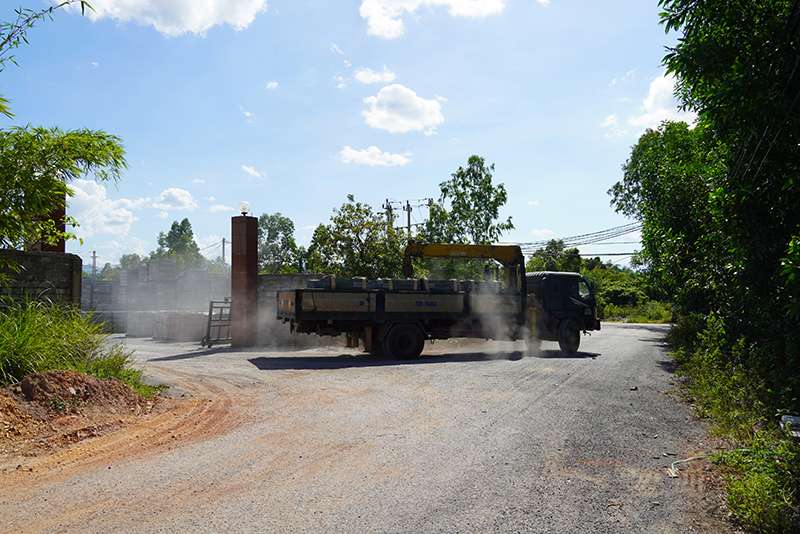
[[182, 421]]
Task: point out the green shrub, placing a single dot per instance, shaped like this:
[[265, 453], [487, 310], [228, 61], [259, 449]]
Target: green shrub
[[40, 336], [762, 484], [648, 312]]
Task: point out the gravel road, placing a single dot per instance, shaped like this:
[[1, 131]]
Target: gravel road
[[475, 437]]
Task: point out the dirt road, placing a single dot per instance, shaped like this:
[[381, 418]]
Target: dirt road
[[470, 438]]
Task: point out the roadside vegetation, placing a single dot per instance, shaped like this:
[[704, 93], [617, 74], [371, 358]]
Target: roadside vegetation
[[41, 336], [718, 200]]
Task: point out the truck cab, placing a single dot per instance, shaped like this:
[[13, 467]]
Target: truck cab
[[562, 305]]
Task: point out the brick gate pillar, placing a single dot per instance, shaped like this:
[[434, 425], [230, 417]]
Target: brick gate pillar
[[244, 281]]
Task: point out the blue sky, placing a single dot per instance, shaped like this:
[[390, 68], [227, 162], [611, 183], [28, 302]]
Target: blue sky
[[292, 105]]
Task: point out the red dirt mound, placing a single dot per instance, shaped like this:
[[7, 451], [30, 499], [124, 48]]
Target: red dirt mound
[[50, 410]]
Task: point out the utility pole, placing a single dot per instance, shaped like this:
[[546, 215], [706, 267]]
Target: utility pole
[[389, 218], [223, 252], [408, 209]]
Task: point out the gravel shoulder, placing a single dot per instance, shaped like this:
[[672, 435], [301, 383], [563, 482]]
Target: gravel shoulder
[[472, 437]]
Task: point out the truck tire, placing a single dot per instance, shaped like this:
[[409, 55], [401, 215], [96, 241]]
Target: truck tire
[[569, 336], [404, 342]]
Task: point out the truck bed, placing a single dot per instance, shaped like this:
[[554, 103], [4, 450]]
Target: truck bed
[[443, 308]]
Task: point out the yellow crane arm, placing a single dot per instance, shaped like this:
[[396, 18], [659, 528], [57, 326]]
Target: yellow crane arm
[[507, 255]]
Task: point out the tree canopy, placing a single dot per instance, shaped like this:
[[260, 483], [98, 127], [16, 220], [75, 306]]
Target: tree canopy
[[474, 207], [277, 251], [178, 244], [36, 165], [357, 242], [668, 184]]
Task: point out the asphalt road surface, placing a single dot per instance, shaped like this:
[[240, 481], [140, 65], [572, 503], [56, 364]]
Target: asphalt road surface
[[471, 438]]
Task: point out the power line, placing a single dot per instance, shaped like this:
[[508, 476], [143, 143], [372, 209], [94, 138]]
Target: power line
[[584, 239]]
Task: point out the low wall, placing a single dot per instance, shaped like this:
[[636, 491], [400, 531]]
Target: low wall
[[44, 276]]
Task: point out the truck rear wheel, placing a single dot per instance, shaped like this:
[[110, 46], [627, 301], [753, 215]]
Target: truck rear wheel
[[569, 336], [404, 342]]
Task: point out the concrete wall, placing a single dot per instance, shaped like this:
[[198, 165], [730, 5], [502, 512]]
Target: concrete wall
[[44, 275], [177, 310]]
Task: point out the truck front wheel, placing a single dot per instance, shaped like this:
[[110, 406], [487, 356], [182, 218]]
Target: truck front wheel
[[404, 342], [569, 336]]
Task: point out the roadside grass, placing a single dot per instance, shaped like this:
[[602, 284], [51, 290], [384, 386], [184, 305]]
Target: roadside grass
[[648, 312], [762, 474], [42, 336]]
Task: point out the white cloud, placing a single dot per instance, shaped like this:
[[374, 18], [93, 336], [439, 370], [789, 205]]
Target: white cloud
[[98, 214], [398, 109], [660, 105], [336, 49], [175, 199], [199, 181], [246, 113], [612, 123], [252, 172], [384, 17], [534, 203], [628, 76], [272, 85], [366, 75], [220, 207], [177, 17], [111, 250], [541, 233], [373, 156], [162, 214]]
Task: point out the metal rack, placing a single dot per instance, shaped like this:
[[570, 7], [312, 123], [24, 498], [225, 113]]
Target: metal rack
[[219, 323]]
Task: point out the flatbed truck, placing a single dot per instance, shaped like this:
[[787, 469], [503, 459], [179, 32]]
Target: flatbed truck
[[396, 316]]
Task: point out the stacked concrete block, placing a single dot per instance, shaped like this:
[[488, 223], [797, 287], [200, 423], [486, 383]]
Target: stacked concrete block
[[44, 276]]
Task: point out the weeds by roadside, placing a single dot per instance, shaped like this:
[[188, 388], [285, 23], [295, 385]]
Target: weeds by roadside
[[763, 474], [40, 336]]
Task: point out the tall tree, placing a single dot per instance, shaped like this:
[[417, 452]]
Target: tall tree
[[277, 251], [357, 242], [469, 207], [669, 182], [179, 245], [736, 65]]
